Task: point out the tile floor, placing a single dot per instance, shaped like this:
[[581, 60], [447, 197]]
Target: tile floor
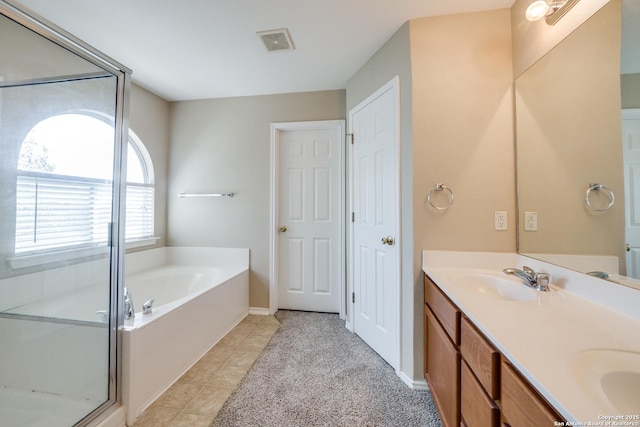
[[195, 399]]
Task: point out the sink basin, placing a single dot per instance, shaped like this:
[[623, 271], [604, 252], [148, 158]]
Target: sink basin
[[610, 377], [496, 285]]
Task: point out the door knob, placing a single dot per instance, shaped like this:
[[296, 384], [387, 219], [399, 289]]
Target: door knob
[[387, 240], [283, 229]]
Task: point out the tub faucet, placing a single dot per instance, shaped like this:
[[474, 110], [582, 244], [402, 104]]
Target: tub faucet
[[129, 310], [147, 307], [537, 281]]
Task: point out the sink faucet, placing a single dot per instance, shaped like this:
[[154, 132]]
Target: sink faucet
[[599, 274], [537, 281], [129, 310]]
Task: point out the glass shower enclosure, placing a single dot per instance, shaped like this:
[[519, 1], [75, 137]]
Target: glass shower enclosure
[[60, 216]]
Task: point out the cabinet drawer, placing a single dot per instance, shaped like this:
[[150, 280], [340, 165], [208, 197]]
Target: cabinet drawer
[[447, 313], [477, 409], [483, 359], [521, 405]]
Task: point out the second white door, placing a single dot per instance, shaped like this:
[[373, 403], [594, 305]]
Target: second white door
[[310, 225], [375, 229], [631, 153]]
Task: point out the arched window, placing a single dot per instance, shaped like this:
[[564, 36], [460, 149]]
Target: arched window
[[64, 185]]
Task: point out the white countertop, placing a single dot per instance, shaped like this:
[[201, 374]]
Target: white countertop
[[546, 337]]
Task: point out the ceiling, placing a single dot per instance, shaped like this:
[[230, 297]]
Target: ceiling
[[196, 49]]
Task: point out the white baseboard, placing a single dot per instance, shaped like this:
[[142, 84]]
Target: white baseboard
[[259, 311], [348, 325], [419, 385]]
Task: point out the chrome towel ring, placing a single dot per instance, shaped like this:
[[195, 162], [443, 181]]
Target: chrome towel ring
[[440, 187], [605, 190]]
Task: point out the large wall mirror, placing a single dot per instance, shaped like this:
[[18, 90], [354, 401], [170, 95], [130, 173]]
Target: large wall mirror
[[578, 148]]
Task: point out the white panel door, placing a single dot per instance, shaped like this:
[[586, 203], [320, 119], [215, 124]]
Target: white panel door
[[375, 228], [309, 234], [631, 153]]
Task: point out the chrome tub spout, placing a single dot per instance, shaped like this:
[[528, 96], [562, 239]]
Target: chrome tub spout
[[129, 308]]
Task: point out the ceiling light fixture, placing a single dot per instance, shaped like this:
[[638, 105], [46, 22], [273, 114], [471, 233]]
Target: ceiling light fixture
[[551, 10]]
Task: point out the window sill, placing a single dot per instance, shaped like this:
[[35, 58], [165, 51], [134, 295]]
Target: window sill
[[25, 261], [33, 260], [132, 244]]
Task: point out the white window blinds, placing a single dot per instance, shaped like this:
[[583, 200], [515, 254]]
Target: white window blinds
[[55, 212], [139, 221]]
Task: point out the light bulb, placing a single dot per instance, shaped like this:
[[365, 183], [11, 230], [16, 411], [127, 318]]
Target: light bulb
[[537, 10]]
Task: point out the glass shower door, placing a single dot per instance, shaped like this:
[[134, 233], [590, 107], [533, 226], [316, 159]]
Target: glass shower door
[[61, 119]]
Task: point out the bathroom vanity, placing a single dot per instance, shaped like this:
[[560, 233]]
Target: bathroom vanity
[[500, 353]]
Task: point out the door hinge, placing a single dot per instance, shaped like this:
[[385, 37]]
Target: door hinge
[[353, 217], [353, 297], [350, 135]]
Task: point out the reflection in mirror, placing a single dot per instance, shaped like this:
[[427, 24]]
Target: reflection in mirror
[[630, 90], [569, 151]]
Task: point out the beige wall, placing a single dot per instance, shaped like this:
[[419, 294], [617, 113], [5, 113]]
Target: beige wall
[[630, 88], [223, 145], [463, 135], [532, 40], [568, 135], [149, 119], [463, 130], [394, 59]]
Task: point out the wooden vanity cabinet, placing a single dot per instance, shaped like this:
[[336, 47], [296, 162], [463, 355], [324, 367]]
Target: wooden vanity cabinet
[[442, 359], [471, 382]]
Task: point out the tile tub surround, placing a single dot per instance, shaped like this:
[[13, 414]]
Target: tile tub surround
[[542, 337], [195, 399]]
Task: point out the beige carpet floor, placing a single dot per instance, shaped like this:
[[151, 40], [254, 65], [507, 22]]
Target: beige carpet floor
[[314, 372]]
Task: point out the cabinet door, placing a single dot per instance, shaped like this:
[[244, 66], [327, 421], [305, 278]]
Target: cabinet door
[[443, 371]]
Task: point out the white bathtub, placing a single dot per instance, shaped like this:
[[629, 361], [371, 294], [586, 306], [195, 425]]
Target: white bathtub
[[200, 294]]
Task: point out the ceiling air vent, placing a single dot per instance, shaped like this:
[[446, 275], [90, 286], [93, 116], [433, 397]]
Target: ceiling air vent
[[276, 40]]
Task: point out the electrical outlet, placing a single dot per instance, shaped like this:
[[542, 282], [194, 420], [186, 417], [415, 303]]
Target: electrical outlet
[[500, 218], [531, 221]]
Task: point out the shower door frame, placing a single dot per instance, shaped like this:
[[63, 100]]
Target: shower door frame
[[57, 35]]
